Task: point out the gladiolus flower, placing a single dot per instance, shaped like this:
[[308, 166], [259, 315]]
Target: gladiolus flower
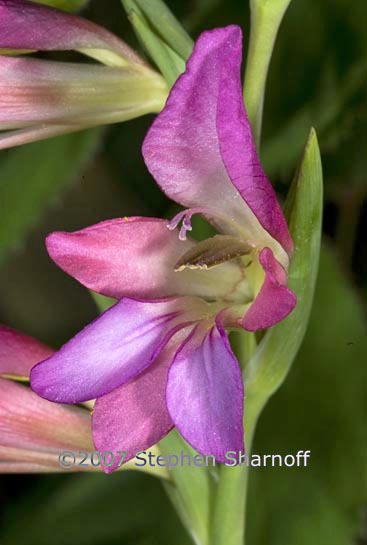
[[40, 98], [160, 357]]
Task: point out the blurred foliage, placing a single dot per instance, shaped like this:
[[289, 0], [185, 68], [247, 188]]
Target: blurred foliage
[[33, 176], [317, 77], [122, 508], [65, 5]]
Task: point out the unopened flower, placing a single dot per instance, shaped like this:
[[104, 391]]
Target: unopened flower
[[41, 98], [33, 431], [160, 357]]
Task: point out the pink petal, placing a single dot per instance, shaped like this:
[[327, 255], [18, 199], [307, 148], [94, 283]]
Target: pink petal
[[18, 352], [135, 257], [29, 423], [274, 301], [205, 393], [134, 417], [200, 148], [28, 25], [26, 467], [110, 351], [20, 137], [36, 91]]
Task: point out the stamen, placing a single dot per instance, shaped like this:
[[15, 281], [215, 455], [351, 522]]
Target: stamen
[[176, 220], [185, 216]]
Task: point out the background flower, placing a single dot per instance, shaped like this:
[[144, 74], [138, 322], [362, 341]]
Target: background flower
[[41, 99], [33, 432]]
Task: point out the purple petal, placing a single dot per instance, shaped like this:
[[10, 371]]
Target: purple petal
[[135, 257], [28, 422], [28, 25], [200, 148], [19, 352], [134, 417], [274, 301], [205, 393], [110, 351]]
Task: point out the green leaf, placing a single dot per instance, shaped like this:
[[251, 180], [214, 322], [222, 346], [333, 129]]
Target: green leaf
[[168, 61], [321, 407], [167, 26], [65, 5], [32, 177], [271, 362]]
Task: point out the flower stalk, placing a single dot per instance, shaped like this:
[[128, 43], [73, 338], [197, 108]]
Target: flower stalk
[[266, 16]]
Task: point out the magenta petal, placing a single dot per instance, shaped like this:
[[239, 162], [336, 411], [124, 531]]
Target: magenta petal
[[121, 257], [205, 393], [239, 154], [28, 25], [134, 417], [274, 301], [181, 149], [113, 349], [200, 148], [135, 257], [19, 352]]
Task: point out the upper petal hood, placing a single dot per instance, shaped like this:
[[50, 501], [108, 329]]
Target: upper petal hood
[[274, 301], [201, 151], [19, 352], [28, 25], [136, 257]]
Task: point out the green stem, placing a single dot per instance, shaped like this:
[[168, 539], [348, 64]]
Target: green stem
[[230, 505], [228, 526], [266, 16]]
